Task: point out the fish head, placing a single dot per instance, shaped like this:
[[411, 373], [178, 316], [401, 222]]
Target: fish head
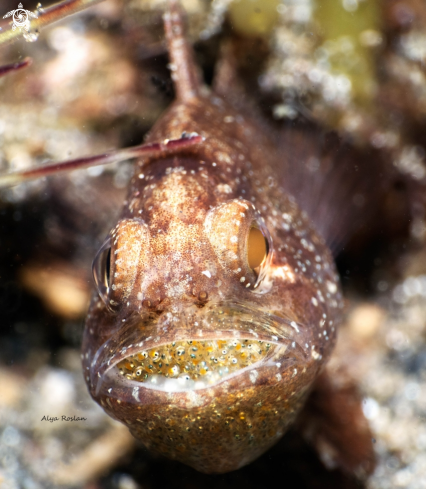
[[187, 340]]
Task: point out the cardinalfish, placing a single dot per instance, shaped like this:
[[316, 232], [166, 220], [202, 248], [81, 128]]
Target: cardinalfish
[[217, 301]]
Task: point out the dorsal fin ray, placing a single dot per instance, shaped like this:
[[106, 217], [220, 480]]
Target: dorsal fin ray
[[185, 73], [150, 150]]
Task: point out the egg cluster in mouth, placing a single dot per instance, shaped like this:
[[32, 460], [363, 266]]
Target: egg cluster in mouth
[[194, 360]]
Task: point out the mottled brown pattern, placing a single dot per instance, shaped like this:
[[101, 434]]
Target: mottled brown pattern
[[179, 272]]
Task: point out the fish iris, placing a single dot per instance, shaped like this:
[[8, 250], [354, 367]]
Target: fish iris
[[194, 360]]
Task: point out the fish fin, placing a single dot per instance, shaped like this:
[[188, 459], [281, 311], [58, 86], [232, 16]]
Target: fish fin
[[333, 422], [240, 64], [185, 73], [337, 185], [227, 82], [147, 150]]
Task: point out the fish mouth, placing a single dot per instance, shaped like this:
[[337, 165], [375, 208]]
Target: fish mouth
[[194, 349], [194, 363]]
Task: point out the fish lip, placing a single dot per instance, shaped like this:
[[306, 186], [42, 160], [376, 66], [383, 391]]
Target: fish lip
[[127, 340]]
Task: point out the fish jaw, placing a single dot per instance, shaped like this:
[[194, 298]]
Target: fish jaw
[[217, 429], [215, 426]]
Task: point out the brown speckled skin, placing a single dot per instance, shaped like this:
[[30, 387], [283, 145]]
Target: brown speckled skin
[[179, 219]]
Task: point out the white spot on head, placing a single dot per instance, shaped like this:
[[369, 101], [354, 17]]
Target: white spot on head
[[315, 355], [293, 324], [253, 375], [332, 287], [135, 393], [207, 273]]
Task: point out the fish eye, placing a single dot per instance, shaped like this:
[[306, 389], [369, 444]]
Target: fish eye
[[241, 241], [101, 269], [257, 248]]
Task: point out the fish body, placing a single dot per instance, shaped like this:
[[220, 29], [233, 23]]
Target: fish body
[[206, 352]]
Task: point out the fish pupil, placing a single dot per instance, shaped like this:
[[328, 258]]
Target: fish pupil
[[108, 267], [257, 248]]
